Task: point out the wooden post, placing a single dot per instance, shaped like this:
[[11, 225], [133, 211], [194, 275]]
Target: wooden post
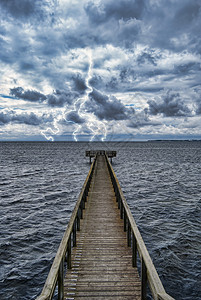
[[129, 234], [74, 234], [81, 211], [115, 190], [69, 253], [121, 209], [61, 281], [78, 220], [134, 251], [118, 198], [143, 280], [83, 203], [125, 220], [85, 195]]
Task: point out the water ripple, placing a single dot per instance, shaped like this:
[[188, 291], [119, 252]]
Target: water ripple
[[40, 183]]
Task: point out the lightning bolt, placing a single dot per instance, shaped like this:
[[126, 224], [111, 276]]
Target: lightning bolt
[[95, 126], [47, 133]]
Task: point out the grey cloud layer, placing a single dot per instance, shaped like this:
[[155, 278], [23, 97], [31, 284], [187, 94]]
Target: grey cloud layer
[[11, 116], [170, 106], [56, 99], [22, 8], [28, 95], [137, 46], [105, 10], [107, 108]]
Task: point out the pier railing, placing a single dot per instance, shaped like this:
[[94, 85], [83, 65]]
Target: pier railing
[[134, 240], [56, 275]]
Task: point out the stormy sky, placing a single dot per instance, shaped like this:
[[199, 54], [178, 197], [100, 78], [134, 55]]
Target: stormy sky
[[100, 70]]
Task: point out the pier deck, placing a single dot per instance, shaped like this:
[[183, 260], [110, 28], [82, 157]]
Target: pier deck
[[97, 257], [101, 261]]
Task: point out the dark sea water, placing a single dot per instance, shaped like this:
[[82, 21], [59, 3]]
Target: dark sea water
[[40, 183]]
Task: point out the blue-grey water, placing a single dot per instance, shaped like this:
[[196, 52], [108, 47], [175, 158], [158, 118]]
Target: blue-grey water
[[40, 183]]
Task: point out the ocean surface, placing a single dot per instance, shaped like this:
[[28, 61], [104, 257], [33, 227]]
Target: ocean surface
[[40, 183]]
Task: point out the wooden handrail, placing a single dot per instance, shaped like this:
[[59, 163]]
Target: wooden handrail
[[56, 273], [148, 271]]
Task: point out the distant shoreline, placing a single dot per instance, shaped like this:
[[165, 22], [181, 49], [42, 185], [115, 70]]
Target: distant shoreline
[[137, 141]]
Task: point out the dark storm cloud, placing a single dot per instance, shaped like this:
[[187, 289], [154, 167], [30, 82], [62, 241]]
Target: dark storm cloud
[[147, 57], [198, 102], [61, 98], [74, 117], [18, 8], [124, 34], [79, 83], [122, 9], [186, 14], [141, 119], [28, 95], [127, 73], [186, 68], [10, 116], [23, 9], [112, 84], [97, 82], [173, 25], [171, 105], [57, 99], [198, 110], [6, 53], [123, 17], [19, 52], [107, 108]]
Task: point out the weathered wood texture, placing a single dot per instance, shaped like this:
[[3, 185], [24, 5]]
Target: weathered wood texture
[[102, 261]]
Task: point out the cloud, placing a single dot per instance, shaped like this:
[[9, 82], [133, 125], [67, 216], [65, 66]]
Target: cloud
[[186, 68], [74, 117], [97, 81], [186, 14], [180, 20], [112, 84], [140, 48], [198, 110], [171, 105], [141, 119], [58, 98], [28, 95], [79, 83], [107, 108], [197, 96], [10, 116], [24, 9], [20, 8], [147, 57], [122, 16], [122, 9], [61, 98]]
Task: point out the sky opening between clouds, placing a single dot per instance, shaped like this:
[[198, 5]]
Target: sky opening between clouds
[[100, 70]]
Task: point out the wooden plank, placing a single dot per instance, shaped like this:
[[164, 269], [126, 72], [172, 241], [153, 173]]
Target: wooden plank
[[104, 284], [125, 297], [102, 262]]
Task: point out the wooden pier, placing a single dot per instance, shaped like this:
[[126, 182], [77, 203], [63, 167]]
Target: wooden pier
[[97, 257]]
